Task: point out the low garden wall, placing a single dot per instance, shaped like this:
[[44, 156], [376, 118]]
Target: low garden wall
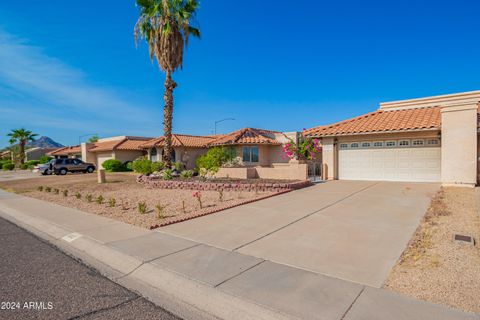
[[278, 171], [223, 185]]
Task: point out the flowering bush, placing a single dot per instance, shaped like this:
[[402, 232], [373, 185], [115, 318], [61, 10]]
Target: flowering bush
[[306, 149]]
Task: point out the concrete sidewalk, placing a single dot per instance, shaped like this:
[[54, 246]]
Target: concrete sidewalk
[[197, 281]]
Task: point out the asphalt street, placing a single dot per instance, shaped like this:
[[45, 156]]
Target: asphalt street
[[38, 281]]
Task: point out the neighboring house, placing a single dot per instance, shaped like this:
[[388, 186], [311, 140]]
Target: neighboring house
[[66, 152], [186, 148], [431, 139], [37, 153], [5, 154], [123, 148]]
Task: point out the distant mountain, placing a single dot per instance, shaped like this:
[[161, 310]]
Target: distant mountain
[[45, 142]]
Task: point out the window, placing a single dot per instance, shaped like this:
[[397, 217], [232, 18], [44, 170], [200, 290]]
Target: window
[[77, 161], [433, 142], [153, 155], [354, 145], [250, 154], [68, 161], [378, 144], [417, 143], [390, 143], [404, 143], [174, 156], [366, 144], [343, 145]]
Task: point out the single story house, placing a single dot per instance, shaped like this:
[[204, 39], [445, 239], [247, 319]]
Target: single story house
[[66, 152], [123, 148], [37, 152], [432, 139], [186, 148], [260, 155]]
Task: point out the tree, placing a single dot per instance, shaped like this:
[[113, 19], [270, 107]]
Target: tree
[[93, 139], [22, 137], [166, 26]]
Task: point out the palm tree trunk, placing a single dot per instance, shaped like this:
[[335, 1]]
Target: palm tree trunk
[[167, 119], [22, 152]]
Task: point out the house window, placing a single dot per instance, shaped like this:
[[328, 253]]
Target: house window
[[343, 145], [417, 143], [250, 154], [390, 143], [354, 145], [366, 144], [154, 155], [433, 142], [404, 143], [378, 144]]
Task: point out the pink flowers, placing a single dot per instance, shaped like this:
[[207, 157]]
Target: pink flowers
[[307, 149], [198, 195]]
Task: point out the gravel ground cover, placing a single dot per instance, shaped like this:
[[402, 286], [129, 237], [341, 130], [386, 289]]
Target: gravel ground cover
[[436, 268], [161, 206]]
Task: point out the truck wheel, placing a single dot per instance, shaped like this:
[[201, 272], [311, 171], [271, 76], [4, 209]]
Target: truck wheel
[[90, 169], [63, 171]]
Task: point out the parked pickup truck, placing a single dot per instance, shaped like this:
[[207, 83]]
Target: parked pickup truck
[[63, 166]]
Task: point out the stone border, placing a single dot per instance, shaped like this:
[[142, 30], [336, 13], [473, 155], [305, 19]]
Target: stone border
[[227, 186], [194, 215]]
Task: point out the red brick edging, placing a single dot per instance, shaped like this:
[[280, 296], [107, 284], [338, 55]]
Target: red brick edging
[[217, 209]]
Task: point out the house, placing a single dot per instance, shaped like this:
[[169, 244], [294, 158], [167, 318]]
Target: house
[[123, 148], [37, 152], [432, 139], [186, 148], [66, 152], [260, 155]]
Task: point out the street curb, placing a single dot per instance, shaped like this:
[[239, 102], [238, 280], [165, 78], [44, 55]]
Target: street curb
[[174, 292]]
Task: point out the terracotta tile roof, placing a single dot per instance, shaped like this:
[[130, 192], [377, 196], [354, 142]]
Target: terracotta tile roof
[[382, 121], [247, 136], [180, 140], [65, 151], [128, 143]]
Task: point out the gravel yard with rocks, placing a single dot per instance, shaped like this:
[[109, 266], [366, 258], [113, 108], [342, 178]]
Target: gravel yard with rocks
[[160, 206], [436, 268]]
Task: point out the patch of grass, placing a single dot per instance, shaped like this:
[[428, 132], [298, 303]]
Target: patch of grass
[[220, 195], [40, 188], [78, 195], [160, 209], [56, 191], [65, 193], [48, 189], [89, 197]]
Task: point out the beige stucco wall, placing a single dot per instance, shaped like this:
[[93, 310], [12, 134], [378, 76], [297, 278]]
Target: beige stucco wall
[[100, 157], [88, 156], [459, 145], [329, 159], [288, 171], [236, 173], [127, 155]]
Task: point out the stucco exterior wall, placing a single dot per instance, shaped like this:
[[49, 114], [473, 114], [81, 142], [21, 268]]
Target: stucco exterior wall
[[287, 171], [100, 157], [88, 156], [393, 136], [127, 155], [459, 145], [329, 157], [237, 173]]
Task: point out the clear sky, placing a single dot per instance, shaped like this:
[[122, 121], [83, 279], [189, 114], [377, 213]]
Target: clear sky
[[69, 68]]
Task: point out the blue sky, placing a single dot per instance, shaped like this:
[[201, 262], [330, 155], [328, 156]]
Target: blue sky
[[72, 68]]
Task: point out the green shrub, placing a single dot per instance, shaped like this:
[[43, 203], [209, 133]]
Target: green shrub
[[48, 189], [78, 195], [142, 207], [142, 165], [128, 166], [24, 166], [186, 174], [112, 202], [56, 191], [65, 193], [99, 199], [8, 166], [157, 166], [179, 166], [160, 209], [167, 174], [32, 162], [44, 159], [214, 159], [113, 165], [40, 188], [89, 198]]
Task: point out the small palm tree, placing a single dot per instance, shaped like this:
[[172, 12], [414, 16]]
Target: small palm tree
[[22, 137], [166, 26]]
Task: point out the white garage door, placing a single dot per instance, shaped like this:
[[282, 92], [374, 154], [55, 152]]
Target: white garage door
[[101, 157], [394, 160]]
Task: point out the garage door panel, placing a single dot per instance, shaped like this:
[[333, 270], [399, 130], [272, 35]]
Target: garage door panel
[[419, 164]]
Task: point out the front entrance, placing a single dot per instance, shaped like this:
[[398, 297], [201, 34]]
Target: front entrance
[[314, 171]]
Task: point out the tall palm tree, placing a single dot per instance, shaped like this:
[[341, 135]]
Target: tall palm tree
[[22, 137], [166, 26]]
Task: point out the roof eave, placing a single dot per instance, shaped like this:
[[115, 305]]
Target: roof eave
[[371, 132]]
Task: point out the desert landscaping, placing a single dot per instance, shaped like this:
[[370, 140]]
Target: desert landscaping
[[123, 198], [436, 268]]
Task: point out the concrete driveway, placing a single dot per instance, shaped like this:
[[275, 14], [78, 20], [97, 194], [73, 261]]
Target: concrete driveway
[[352, 230]]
